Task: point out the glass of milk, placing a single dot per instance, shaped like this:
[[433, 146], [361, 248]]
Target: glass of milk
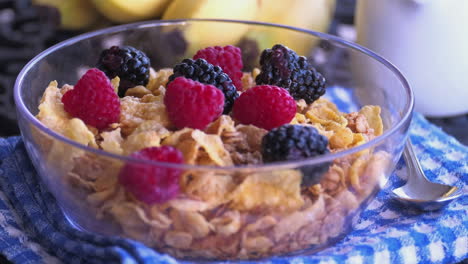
[[427, 40]]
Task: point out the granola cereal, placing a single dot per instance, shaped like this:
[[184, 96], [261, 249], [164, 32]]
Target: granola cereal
[[219, 213]]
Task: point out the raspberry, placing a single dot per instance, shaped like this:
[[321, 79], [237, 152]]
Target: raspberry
[[296, 142], [201, 71], [229, 58], [192, 104], [93, 100], [283, 67], [265, 106], [130, 64], [152, 183]]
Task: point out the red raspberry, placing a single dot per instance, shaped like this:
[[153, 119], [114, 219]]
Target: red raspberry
[[229, 58], [93, 100], [265, 106], [151, 183], [192, 104]]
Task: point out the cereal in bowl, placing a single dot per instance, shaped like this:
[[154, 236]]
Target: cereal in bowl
[[223, 126]]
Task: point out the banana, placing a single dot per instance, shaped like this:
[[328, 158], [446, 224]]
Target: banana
[[201, 35], [74, 14], [308, 14], [124, 11]]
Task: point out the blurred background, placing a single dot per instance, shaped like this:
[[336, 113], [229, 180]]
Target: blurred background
[[27, 27]]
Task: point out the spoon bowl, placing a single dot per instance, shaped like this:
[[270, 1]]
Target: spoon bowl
[[419, 191]]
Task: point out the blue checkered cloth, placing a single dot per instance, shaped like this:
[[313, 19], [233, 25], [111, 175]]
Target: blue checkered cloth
[[34, 230]]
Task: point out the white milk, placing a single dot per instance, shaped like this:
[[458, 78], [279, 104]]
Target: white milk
[[428, 41]]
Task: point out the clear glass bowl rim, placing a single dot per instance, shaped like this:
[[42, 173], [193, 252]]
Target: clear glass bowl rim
[[22, 109]]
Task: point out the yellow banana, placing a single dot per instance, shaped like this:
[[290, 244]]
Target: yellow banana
[[201, 35], [74, 14], [308, 14], [124, 11]]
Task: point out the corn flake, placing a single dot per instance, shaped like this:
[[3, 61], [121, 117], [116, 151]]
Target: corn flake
[[227, 224], [134, 111], [195, 224], [115, 82], [264, 222], [136, 224], [294, 221], [213, 145], [372, 114], [158, 79], [138, 91], [208, 186], [178, 136], [147, 134], [299, 119], [178, 239], [276, 189], [355, 172], [51, 111], [302, 106], [376, 168], [326, 117], [141, 140], [186, 204], [334, 180], [223, 124], [257, 244], [324, 113], [112, 141], [199, 147], [341, 138], [76, 130], [253, 136]]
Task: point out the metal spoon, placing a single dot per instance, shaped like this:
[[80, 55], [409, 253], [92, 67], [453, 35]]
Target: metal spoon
[[418, 190]]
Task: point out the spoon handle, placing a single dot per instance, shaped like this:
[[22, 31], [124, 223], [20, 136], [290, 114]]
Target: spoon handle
[[414, 166], [412, 162]]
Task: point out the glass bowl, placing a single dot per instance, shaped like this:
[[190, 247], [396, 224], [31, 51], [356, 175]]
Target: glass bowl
[[217, 214]]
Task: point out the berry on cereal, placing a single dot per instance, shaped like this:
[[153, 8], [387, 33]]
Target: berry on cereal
[[93, 100], [229, 58], [202, 71], [281, 66], [296, 142], [192, 104], [131, 65], [149, 183], [265, 106]]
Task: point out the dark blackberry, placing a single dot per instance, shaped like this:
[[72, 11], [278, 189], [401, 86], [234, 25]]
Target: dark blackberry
[[202, 71], [130, 64], [296, 142], [282, 67]]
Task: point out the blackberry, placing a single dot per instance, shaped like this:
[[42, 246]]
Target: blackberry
[[130, 64], [202, 71], [296, 142], [282, 67]]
